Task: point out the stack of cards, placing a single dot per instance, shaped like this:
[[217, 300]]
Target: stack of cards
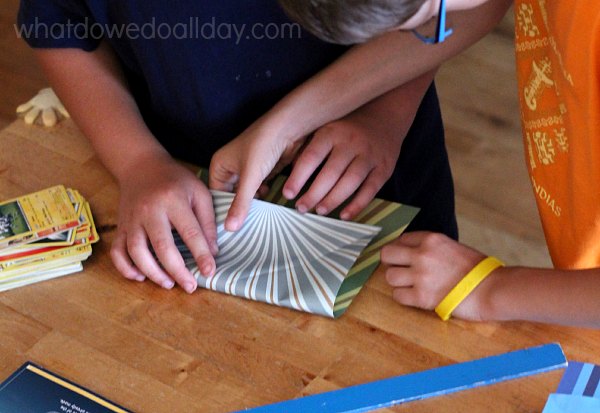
[[44, 235]]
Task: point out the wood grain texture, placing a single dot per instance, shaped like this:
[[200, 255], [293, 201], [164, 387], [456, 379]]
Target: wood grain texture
[[20, 76], [162, 351]]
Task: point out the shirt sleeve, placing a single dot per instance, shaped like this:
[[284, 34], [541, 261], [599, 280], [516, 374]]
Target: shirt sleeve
[[60, 24]]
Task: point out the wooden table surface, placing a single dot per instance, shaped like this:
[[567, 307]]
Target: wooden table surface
[[165, 351]]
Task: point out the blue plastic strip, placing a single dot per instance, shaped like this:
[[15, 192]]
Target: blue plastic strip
[[421, 385]]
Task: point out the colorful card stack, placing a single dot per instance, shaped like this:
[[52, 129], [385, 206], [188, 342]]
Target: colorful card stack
[[44, 235]]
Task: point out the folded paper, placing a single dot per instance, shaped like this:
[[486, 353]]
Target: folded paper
[[581, 379], [301, 261], [569, 403], [578, 391]]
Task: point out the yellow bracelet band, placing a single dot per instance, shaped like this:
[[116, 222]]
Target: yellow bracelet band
[[466, 286]]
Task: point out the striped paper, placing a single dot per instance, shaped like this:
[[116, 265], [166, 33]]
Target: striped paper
[[580, 379], [578, 391], [301, 261]]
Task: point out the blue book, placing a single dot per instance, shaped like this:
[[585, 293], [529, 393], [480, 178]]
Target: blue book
[[32, 389]]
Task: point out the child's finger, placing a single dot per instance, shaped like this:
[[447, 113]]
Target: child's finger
[[406, 296], [365, 195], [352, 179], [327, 178], [415, 239], [121, 260], [219, 177], [397, 254], [399, 277], [195, 235], [137, 247], [250, 181], [161, 237], [204, 211], [307, 163]]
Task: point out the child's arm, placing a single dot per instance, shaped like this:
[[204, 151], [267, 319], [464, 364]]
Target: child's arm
[[360, 152], [156, 192], [365, 72], [424, 267]]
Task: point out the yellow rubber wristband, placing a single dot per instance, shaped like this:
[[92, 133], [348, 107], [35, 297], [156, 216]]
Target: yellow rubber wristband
[[466, 286]]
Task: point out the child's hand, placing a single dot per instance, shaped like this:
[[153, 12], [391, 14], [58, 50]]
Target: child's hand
[[358, 156], [156, 196], [424, 267], [245, 164], [359, 153]]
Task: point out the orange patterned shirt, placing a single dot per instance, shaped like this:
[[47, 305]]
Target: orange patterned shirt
[[558, 67]]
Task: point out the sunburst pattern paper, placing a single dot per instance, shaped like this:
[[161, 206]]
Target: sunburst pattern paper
[[301, 261], [284, 258]]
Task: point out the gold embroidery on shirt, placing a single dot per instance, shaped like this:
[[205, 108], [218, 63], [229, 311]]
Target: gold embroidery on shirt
[[525, 20], [544, 11], [532, 163], [546, 122], [552, 40], [547, 198], [539, 80], [563, 108], [560, 135], [544, 147]]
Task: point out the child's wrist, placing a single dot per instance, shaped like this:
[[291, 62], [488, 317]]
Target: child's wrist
[[467, 288], [491, 304], [138, 161], [294, 117]]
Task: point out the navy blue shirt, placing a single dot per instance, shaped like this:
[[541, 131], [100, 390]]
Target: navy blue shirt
[[202, 71]]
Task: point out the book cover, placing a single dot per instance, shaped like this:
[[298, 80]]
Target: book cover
[[33, 389]]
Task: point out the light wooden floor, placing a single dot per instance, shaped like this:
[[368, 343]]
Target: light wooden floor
[[495, 202], [479, 98], [20, 78]]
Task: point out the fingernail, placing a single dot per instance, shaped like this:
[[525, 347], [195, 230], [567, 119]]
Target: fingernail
[[140, 278], [232, 224], [345, 216], [169, 284], [190, 287], [207, 270], [289, 194], [215, 248], [302, 209], [321, 210]]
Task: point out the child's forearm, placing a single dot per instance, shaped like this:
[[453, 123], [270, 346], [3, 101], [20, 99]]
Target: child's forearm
[[544, 295], [395, 110], [92, 87], [372, 69]]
